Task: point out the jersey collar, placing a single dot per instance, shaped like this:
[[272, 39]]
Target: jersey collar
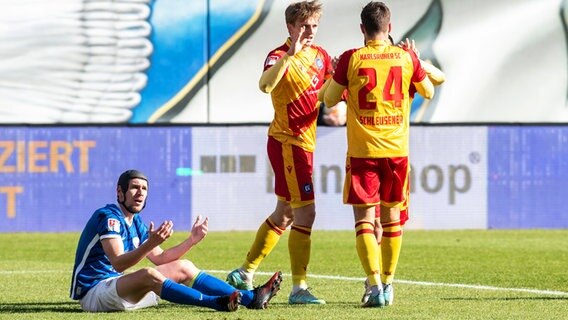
[[375, 43]]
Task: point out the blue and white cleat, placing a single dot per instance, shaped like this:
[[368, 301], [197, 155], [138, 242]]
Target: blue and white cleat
[[375, 301], [304, 296], [388, 293], [238, 279], [367, 292]]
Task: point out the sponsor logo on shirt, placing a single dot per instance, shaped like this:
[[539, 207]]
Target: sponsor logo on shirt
[[113, 225]]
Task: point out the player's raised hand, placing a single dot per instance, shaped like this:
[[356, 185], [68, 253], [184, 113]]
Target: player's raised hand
[[199, 229], [298, 41], [164, 231], [409, 45]]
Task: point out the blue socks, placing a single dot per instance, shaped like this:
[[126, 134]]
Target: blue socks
[[178, 293], [213, 286]]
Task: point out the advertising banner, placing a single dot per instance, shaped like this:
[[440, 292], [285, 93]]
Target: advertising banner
[[53, 179], [462, 177], [235, 182], [528, 173]]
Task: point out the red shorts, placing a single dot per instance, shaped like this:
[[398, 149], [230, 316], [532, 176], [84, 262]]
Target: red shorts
[[293, 172], [404, 215], [372, 181]]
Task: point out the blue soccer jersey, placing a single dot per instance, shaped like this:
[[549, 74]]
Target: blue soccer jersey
[[91, 263]]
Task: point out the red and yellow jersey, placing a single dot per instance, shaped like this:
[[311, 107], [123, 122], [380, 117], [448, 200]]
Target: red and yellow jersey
[[294, 93], [378, 78]]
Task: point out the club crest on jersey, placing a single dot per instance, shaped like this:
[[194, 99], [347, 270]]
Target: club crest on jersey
[[319, 63], [113, 225]]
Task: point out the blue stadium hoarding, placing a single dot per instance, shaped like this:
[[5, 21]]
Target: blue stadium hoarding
[[528, 171], [52, 179]]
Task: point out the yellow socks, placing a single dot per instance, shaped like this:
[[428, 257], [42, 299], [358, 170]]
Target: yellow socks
[[390, 249], [299, 247], [368, 250], [267, 237]]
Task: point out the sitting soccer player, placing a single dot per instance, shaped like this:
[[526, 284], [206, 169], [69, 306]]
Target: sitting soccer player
[[115, 239]]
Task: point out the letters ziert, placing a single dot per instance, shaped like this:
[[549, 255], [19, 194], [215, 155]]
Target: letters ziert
[[41, 156]]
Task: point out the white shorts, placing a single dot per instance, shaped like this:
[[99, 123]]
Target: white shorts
[[103, 298]]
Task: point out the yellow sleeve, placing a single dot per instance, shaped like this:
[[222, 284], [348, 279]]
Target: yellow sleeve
[[274, 74], [333, 92], [437, 77], [321, 92], [425, 88]]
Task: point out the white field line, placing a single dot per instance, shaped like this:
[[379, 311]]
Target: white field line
[[423, 283], [341, 278]]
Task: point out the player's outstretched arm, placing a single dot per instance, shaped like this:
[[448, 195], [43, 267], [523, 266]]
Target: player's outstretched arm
[[121, 261], [198, 232], [321, 92], [434, 74], [425, 88], [333, 93]]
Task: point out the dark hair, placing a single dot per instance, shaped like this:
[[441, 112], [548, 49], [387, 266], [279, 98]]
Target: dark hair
[[128, 175], [375, 17]]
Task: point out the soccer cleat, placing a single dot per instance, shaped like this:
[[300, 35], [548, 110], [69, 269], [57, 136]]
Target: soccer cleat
[[388, 293], [304, 296], [367, 292], [267, 291], [375, 301], [230, 303], [238, 279]]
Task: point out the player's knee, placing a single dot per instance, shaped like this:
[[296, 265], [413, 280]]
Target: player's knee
[[187, 266], [282, 216], [152, 275], [186, 270]]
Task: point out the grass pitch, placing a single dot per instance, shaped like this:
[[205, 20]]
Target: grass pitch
[[496, 274]]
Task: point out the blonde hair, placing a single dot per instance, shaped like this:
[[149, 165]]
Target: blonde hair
[[300, 11]]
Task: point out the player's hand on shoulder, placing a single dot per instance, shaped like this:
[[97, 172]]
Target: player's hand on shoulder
[[162, 233], [199, 229], [409, 45], [334, 62]]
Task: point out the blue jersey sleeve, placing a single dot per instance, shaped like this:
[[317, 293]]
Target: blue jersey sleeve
[[109, 225]]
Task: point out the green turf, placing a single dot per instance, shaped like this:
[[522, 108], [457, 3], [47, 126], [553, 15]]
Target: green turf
[[441, 275]]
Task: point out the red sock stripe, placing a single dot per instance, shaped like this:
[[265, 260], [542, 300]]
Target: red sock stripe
[[300, 230], [362, 231], [274, 227], [392, 234], [391, 224], [363, 222]]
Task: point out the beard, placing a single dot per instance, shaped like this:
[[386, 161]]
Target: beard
[[134, 209]]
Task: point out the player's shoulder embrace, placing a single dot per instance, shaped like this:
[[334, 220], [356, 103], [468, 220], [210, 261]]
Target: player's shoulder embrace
[[348, 53]]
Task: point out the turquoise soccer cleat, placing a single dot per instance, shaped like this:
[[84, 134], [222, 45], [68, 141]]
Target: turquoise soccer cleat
[[375, 301], [388, 293], [304, 296], [238, 279]]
